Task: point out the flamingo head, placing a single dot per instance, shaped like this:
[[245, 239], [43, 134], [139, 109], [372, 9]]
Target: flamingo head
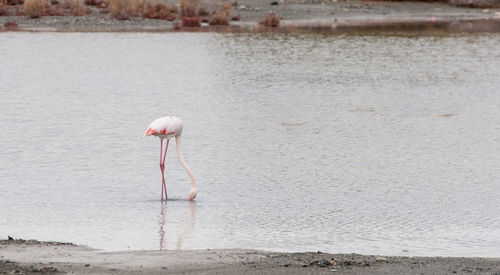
[[192, 194]]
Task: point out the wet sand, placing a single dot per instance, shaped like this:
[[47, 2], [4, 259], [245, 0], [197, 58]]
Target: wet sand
[[329, 15], [32, 257]]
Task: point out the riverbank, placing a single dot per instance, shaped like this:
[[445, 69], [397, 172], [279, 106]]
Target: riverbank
[[30, 257], [329, 15]]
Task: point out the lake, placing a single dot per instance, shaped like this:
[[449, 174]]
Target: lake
[[373, 144]]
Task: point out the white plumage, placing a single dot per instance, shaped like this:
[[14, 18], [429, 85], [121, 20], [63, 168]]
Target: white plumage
[[165, 127]]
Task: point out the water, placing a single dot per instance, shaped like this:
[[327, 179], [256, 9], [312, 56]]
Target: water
[[367, 144]]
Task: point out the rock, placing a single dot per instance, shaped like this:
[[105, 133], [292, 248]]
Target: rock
[[242, 7], [381, 259], [48, 269], [324, 263], [274, 3]]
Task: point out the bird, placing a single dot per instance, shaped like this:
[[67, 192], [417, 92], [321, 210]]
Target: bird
[[168, 127]]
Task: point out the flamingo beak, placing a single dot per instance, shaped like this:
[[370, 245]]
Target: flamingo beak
[[146, 133]]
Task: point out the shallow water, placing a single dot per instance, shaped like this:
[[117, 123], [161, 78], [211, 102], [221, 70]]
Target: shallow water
[[366, 144]]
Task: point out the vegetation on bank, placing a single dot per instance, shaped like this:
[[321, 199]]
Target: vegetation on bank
[[190, 12]]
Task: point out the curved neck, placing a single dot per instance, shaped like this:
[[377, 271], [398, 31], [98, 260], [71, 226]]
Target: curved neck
[[181, 159]]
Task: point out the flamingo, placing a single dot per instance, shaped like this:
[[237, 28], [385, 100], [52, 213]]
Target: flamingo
[[168, 127]]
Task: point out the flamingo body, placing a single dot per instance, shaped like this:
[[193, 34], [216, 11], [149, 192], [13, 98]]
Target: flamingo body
[[165, 127], [168, 127]]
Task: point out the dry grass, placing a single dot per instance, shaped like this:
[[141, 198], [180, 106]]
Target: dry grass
[[271, 20], [34, 8]]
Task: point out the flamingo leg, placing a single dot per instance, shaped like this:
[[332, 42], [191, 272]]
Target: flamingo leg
[[163, 170]]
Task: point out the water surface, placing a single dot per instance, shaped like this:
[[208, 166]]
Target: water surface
[[366, 144]]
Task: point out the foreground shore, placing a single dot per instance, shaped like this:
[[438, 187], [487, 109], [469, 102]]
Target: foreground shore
[[295, 15], [31, 257]]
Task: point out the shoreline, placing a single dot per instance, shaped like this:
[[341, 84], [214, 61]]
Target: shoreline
[[31, 257], [296, 16]]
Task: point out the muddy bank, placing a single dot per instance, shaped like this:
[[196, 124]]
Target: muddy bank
[[34, 257], [337, 16]]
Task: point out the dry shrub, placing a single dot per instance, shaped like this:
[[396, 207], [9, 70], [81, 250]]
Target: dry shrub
[[34, 8], [77, 8], [189, 13], [3, 9], [13, 2], [271, 20], [235, 17], [54, 10], [202, 12], [218, 19], [222, 16], [124, 9], [191, 21], [119, 9], [189, 8], [160, 11], [225, 9], [177, 26], [94, 2]]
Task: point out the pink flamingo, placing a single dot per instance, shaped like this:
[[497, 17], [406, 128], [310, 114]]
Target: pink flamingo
[[166, 128]]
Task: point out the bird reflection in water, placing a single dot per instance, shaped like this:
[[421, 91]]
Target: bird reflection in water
[[185, 228], [161, 222]]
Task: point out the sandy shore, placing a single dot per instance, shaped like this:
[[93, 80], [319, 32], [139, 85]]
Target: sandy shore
[[329, 15], [31, 257]]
